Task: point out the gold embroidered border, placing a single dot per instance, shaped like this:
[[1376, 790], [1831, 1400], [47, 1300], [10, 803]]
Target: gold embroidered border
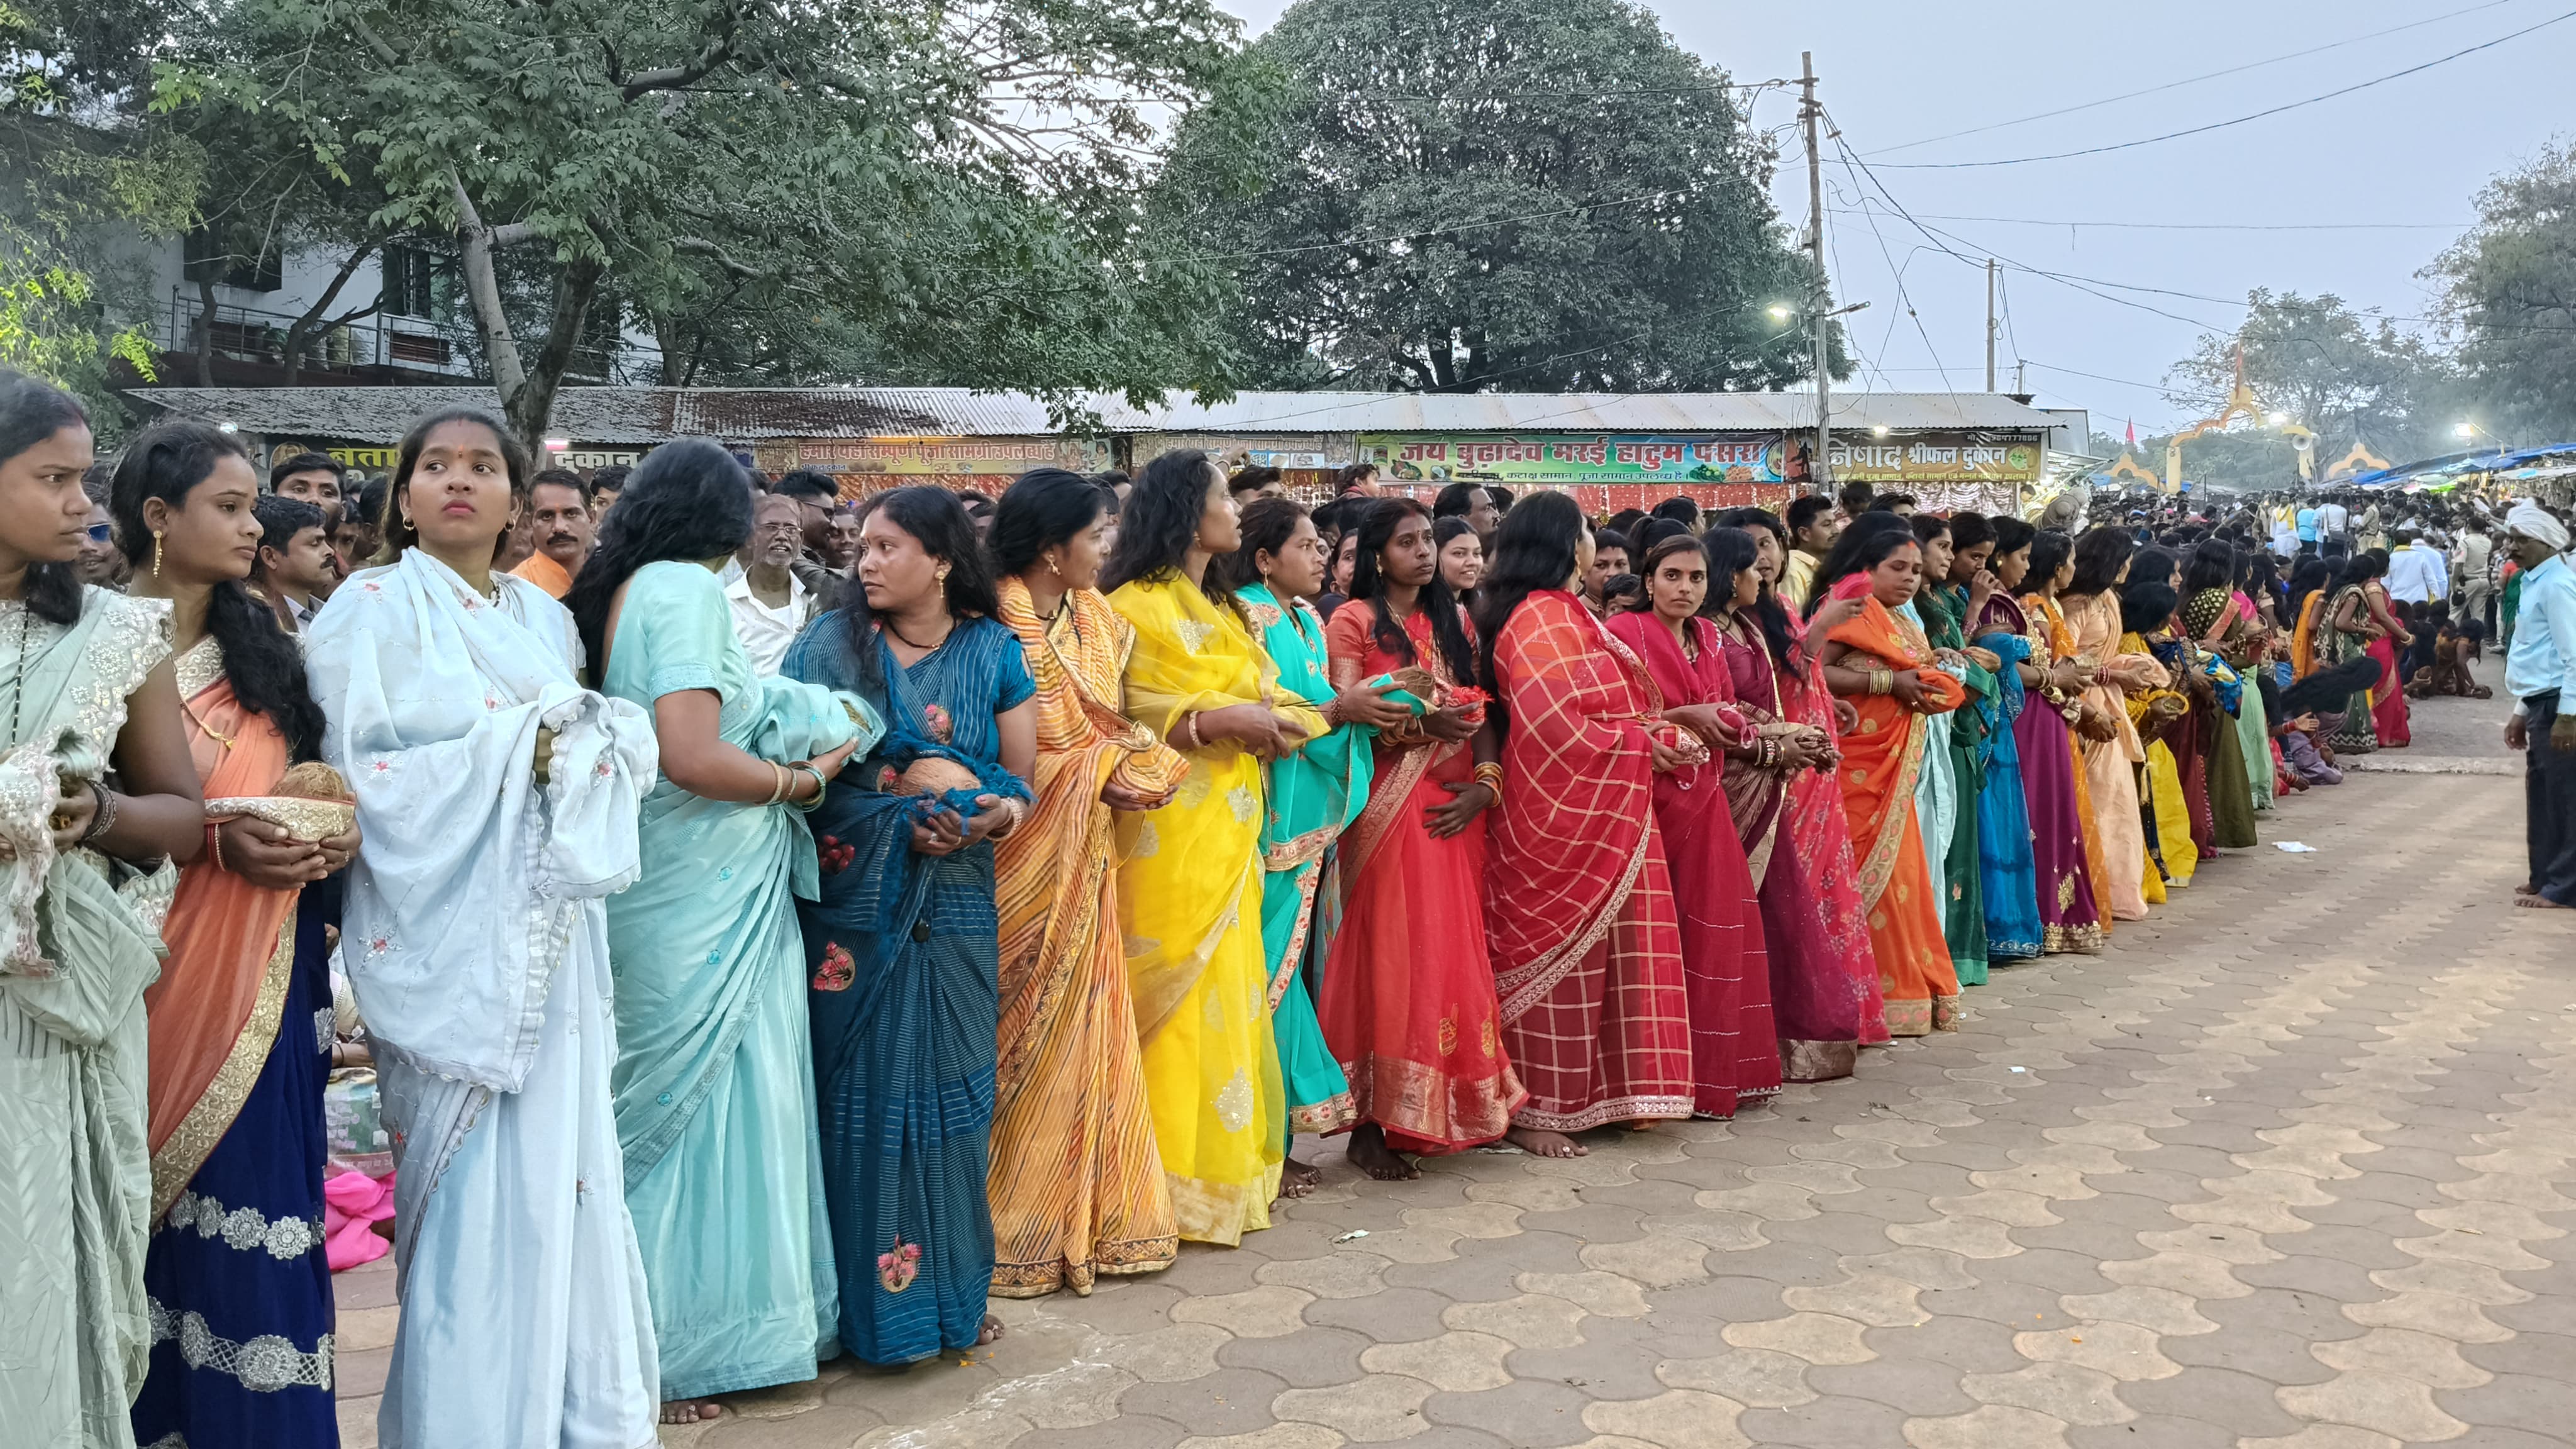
[[194, 1139]]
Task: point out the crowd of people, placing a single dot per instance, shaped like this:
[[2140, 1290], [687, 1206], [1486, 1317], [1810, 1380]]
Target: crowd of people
[[781, 925]]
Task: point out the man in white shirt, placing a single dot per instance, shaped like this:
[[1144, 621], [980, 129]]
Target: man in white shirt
[[770, 604], [2417, 573], [2334, 523], [2473, 571]]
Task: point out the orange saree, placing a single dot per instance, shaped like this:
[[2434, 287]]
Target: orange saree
[[1076, 1186], [215, 1012], [1882, 759]]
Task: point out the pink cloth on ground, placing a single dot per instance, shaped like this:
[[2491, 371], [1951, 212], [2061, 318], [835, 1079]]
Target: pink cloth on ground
[[352, 1204]]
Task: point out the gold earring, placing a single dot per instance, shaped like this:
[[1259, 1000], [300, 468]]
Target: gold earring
[[943, 576], [156, 553]]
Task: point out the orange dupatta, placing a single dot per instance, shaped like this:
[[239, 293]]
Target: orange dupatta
[[1883, 757], [2303, 639], [216, 1010]]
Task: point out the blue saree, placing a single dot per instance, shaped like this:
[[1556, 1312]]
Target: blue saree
[[903, 960], [2005, 865], [714, 1081]]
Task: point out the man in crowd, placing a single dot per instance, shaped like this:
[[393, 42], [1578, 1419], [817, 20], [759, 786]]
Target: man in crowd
[[1900, 504], [605, 485], [101, 562], [559, 530], [1609, 560], [1813, 527], [2417, 572], [1358, 480], [2540, 674], [360, 532], [296, 568], [770, 604], [1679, 510], [2334, 522], [1852, 500], [844, 551], [2473, 570], [1471, 502], [817, 497], [1251, 484], [317, 478]]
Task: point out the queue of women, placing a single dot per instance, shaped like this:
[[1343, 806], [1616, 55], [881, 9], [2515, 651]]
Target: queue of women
[[727, 1024]]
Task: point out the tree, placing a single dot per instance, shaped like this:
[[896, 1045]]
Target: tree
[[2346, 377], [1442, 195], [2512, 293], [784, 188]]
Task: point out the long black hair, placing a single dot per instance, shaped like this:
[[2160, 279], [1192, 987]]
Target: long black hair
[[688, 500], [2049, 550], [2099, 556], [264, 666], [396, 530], [1042, 509], [32, 410], [2212, 566], [1268, 524], [1644, 572], [1534, 550], [1732, 551], [1377, 525], [2147, 601], [1857, 550], [938, 521], [1160, 523], [1446, 531]]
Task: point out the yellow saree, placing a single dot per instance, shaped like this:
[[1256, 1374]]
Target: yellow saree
[[1075, 1186], [1189, 903]]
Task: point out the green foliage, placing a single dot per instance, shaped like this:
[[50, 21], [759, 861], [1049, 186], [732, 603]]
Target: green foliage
[[1454, 195], [50, 324], [2512, 288], [2347, 377]]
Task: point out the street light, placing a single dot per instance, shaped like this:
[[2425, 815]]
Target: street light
[[2279, 418], [1781, 312]]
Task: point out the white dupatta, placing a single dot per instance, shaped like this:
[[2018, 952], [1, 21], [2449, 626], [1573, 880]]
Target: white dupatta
[[472, 876]]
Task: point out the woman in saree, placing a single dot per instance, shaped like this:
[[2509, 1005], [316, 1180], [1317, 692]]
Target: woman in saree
[[2347, 628], [902, 939], [1735, 1049], [1880, 661], [1825, 1001], [90, 688], [238, 1062], [1190, 893], [2161, 714], [1954, 774], [2211, 622], [2089, 604], [1462, 559], [1310, 796], [1075, 1186], [715, 1103], [2007, 869], [1408, 1003], [1578, 900], [2247, 642], [2388, 707], [2191, 739], [2065, 846], [499, 800]]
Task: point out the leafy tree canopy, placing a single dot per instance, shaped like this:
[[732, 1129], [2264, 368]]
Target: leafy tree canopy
[[2512, 291], [1456, 195]]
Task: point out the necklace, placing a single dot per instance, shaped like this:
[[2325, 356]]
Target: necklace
[[18, 678], [887, 623]]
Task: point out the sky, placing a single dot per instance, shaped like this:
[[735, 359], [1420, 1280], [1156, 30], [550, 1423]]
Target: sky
[[2393, 169]]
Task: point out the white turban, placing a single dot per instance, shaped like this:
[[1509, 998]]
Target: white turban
[[2535, 522]]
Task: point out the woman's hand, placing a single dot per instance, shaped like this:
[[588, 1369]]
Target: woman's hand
[[1846, 716], [828, 764], [1125, 797], [73, 812], [337, 850], [1664, 757], [2066, 675], [268, 857], [1797, 752], [1256, 729], [1366, 703], [1985, 659], [1467, 799], [1834, 613], [1449, 723], [992, 814], [1909, 689], [1704, 721], [1981, 587], [2095, 723], [942, 834]]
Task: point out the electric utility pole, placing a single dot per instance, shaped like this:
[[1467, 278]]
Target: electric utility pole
[[1819, 472], [1990, 324]]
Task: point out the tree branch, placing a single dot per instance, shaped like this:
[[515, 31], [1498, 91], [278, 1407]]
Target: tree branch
[[716, 52]]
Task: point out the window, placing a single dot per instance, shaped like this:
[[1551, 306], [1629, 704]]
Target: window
[[416, 282]]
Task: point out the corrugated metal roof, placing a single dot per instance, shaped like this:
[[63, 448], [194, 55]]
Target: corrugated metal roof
[[645, 415]]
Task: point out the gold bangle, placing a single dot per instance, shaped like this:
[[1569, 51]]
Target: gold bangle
[[1490, 775], [1189, 725], [1881, 681], [778, 782]]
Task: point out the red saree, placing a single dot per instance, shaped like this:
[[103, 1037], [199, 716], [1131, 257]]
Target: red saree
[[217, 1008], [1586, 946], [1735, 1051], [1408, 1002], [1881, 761]]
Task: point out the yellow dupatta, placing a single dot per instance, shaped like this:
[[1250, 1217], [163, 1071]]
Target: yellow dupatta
[[1189, 905]]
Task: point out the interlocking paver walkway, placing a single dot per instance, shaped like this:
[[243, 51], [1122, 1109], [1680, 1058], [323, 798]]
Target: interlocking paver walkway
[[2288, 1168]]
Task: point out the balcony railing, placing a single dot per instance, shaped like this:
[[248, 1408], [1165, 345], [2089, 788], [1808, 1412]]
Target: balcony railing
[[369, 345]]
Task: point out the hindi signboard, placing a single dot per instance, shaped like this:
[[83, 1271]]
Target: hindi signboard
[[1574, 458], [1937, 458]]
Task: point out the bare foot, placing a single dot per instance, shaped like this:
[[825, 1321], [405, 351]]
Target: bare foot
[[691, 1411], [1296, 1179], [1369, 1153], [2538, 902], [2526, 889], [1538, 1142], [992, 1330]]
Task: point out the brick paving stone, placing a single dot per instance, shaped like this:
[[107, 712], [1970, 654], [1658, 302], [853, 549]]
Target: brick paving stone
[[2287, 1165]]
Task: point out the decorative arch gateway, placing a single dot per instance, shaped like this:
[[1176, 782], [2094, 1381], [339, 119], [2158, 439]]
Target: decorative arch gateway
[[2241, 402], [2360, 460], [2129, 467]]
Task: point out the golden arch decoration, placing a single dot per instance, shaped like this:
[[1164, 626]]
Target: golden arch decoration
[[2129, 467], [2359, 460]]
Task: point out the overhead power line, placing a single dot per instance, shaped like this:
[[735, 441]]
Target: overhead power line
[[2072, 223], [2188, 80], [2356, 86]]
